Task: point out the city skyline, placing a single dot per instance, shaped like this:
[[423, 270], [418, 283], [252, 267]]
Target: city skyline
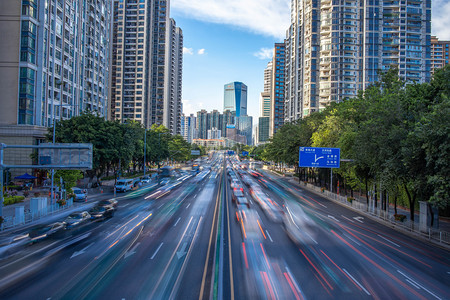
[[211, 60]]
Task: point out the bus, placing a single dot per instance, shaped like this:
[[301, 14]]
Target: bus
[[196, 168]]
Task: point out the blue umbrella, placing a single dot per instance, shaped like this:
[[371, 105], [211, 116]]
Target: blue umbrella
[[25, 176]]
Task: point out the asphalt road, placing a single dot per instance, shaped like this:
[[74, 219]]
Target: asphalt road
[[184, 241]]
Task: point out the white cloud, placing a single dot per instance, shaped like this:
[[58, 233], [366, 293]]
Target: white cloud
[[264, 53], [440, 25], [188, 51], [268, 17], [191, 107], [201, 52]]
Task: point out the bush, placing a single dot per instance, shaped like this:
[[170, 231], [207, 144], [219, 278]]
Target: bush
[[13, 199], [61, 202], [26, 193], [37, 194], [350, 199], [399, 217]]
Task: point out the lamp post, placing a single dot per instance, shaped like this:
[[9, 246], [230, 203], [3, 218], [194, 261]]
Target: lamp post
[[145, 148]]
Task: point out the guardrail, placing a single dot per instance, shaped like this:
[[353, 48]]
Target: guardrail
[[31, 216], [407, 225]]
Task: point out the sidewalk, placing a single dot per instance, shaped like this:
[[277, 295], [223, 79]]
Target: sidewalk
[[9, 211]]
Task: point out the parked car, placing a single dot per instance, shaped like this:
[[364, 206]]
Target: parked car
[[77, 219], [80, 195], [101, 212], [43, 231], [124, 185], [108, 202]]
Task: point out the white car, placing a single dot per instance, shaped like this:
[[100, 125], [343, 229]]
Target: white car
[[124, 185], [80, 195]]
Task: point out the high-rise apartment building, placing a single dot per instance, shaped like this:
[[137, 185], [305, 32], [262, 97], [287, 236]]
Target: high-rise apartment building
[[439, 53], [146, 64], [277, 88], [54, 64], [335, 48], [203, 124], [188, 126], [235, 98], [268, 77], [55, 59]]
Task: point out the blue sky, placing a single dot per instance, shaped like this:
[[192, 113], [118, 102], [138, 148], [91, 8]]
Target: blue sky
[[233, 40]]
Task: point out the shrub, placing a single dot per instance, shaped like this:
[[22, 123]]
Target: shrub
[[61, 202], [399, 217], [13, 199], [37, 194], [26, 193], [350, 199]]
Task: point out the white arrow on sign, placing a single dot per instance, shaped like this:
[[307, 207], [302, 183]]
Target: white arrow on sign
[[317, 158], [132, 251], [359, 219], [181, 253], [76, 253], [331, 217]]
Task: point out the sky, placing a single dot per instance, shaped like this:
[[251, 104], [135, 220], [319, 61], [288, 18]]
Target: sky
[[233, 40]]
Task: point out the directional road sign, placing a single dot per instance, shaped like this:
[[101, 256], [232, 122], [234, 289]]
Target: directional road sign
[[319, 157], [244, 153]]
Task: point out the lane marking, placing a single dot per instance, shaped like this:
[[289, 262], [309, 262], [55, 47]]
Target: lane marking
[[333, 218], [177, 222], [419, 285], [270, 238], [347, 219], [131, 251], [353, 278], [125, 205], [359, 219], [351, 239], [389, 241], [154, 254], [413, 284], [187, 206], [76, 253]]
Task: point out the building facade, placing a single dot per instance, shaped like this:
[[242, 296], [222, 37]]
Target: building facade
[[335, 48], [277, 92], [54, 64], [146, 64], [439, 54], [235, 98]]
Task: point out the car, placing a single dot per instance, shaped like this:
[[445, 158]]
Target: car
[[80, 195], [234, 184], [164, 181], [249, 221], [242, 201], [108, 202], [101, 212], [77, 219], [43, 231], [124, 185], [145, 179], [237, 192]]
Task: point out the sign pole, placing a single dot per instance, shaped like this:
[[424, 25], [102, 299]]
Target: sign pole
[[331, 180]]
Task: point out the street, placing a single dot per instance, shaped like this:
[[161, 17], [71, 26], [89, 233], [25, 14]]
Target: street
[[185, 240]]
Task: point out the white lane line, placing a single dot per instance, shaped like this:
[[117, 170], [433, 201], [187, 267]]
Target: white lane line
[[125, 205], [356, 281], [389, 241], [176, 222], [347, 219], [311, 238], [321, 204], [154, 254], [270, 238], [351, 239], [359, 219], [160, 206], [421, 286], [333, 218], [187, 206], [413, 284], [195, 195]]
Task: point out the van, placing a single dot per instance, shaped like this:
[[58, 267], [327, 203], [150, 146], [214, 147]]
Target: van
[[124, 185]]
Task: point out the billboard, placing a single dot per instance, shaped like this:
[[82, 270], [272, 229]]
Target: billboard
[[319, 157]]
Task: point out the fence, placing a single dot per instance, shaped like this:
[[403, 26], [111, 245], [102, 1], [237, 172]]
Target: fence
[[32, 215], [371, 209]]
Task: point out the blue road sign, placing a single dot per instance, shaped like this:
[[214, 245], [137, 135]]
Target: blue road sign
[[230, 152], [319, 157], [244, 153]]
